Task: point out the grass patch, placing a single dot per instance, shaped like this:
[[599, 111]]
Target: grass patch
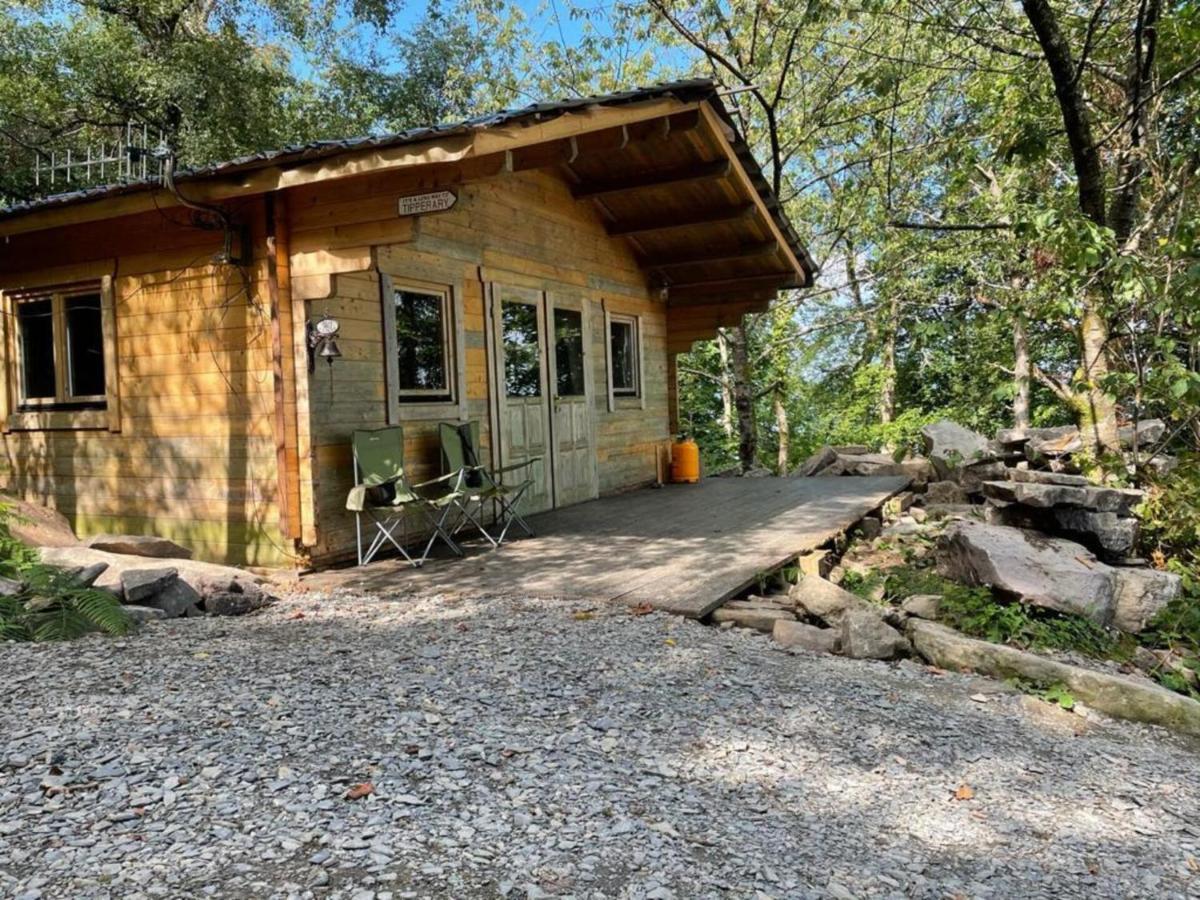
[[976, 612]]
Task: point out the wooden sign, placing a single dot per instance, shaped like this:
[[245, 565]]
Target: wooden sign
[[435, 201]]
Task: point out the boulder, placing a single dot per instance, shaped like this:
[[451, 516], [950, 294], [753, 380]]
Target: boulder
[[949, 441], [240, 603], [1053, 442], [176, 599], [922, 606], [1105, 532], [138, 545], [823, 458], [205, 577], [870, 527], [866, 636], [10, 587], [945, 492], [807, 637], [35, 525], [1045, 496], [1030, 567], [1141, 594], [824, 600], [971, 477], [1124, 697], [1037, 476], [756, 617], [141, 584], [1148, 431], [1012, 438], [143, 614]]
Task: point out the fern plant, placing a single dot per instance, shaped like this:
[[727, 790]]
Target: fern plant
[[51, 605]]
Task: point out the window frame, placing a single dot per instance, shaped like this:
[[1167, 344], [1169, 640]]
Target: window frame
[[624, 400], [63, 411], [408, 405], [445, 295]]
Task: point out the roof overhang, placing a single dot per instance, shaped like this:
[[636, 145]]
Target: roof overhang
[[664, 168]]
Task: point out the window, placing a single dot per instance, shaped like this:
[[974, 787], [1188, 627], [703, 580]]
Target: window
[[424, 344], [61, 352], [623, 349], [522, 351], [568, 352]]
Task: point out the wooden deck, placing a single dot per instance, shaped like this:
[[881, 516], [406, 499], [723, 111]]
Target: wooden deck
[[682, 548]]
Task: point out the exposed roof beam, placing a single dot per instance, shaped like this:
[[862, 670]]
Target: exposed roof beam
[[699, 257], [705, 171], [718, 299], [769, 281], [675, 222], [567, 150]]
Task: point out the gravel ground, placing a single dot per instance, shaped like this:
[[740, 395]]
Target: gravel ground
[[530, 749]]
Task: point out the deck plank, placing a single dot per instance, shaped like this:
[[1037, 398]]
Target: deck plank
[[681, 548]]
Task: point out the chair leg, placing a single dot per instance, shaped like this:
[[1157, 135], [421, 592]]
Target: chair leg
[[508, 511], [385, 533]]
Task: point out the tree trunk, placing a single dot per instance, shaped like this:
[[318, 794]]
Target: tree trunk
[[1022, 372], [782, 429], [726, 382], [887, 359], [743, 398], [1095, 409]]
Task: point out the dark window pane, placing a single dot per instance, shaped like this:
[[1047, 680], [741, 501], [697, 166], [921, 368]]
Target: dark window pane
[[568, 352], [85, 346], [522, 353], [624, 360], [36, 320], [421, 342]]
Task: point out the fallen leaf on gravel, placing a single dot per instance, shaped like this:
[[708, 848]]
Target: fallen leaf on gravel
[[980, 698], [670, 642], [582, 615], [298, 614], [934, 670], [642, 609], [964, 792], [359, 791]]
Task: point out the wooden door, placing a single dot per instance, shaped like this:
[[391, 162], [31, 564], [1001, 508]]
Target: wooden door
[[571, 407], [521, 381]]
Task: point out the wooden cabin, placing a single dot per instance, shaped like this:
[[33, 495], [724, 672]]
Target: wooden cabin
[[536, 270]]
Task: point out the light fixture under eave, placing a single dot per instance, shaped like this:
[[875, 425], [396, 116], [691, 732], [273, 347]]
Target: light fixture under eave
[[321, 339]]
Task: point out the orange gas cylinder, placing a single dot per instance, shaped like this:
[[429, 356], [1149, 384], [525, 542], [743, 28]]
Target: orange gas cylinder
[[685, 461]]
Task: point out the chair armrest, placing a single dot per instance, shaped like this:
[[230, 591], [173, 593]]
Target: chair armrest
[[521, 465], [441, 479]]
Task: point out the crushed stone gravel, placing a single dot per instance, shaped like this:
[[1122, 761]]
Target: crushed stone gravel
[[524, 749]]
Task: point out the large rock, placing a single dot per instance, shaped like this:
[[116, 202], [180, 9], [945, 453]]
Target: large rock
[[139, 585], [866, 636], [823, 458], [10, 587], [973, 476], [1116, 695], [1148, 431], [35, 525], [824, 600], [807, 637], [144, 614], [1038, 476], [1106, 532], [923, 606], [1141, 594], [1053, 442], [949, 441], [945, 492], [1045, 496], [237, 603], [205, 577], [1030, 567], [139, 545], [176, 599]]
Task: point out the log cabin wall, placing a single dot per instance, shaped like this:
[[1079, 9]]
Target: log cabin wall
[[522, 229], [188, 451]]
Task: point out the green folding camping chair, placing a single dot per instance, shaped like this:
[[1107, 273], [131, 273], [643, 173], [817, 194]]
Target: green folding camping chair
[[481, 485], [383, 496]]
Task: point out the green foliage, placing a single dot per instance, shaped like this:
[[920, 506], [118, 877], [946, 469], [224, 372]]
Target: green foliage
[[976, 612], [1052, 692], [1170, 518], [51, 606]]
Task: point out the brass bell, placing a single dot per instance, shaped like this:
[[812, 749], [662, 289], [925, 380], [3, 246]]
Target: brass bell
[[329, 350]]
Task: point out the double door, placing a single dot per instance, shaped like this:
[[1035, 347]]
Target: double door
[[541, 385]]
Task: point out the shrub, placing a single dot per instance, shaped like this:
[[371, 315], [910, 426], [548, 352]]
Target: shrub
[[51, 605]]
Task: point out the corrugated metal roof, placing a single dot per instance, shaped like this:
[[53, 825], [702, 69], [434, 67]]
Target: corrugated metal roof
[[692, 90]]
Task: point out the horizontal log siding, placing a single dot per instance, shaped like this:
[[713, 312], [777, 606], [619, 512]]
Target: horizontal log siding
[[524, 229], [194, 460]]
